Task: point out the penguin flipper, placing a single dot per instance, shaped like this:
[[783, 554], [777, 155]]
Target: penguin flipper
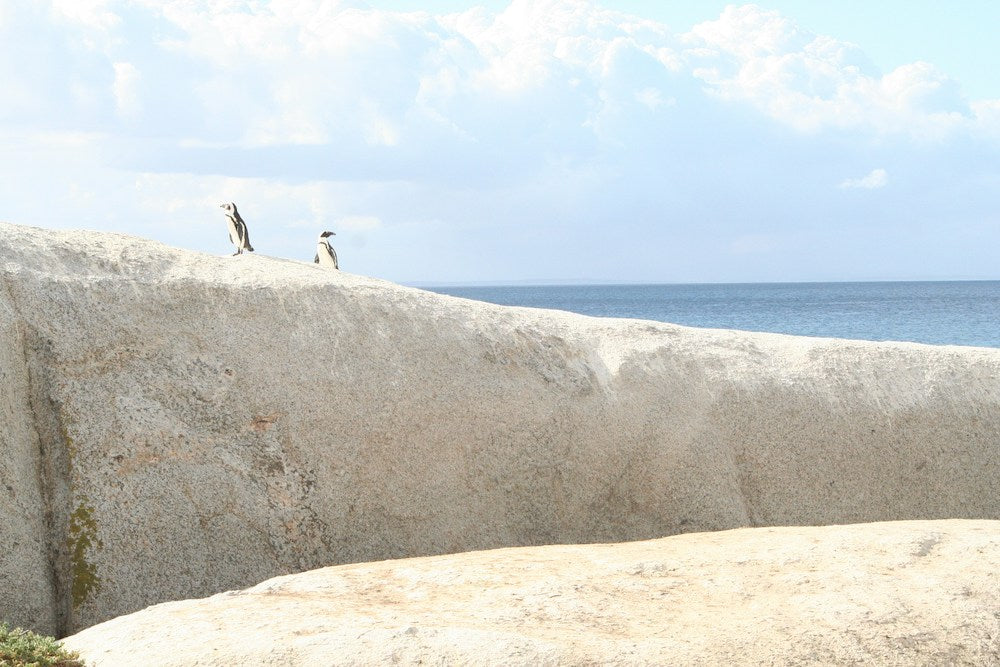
[[316, 259]]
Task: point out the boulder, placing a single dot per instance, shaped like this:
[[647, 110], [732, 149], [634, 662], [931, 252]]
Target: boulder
[[908, 593], [178, 424]]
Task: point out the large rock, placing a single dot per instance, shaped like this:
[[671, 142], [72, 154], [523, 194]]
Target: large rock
[[911, 593], [177, 424]]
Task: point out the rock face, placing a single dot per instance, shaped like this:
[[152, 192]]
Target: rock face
[[909, 593], [177, 424]]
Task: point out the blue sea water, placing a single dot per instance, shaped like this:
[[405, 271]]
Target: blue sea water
[[943, 313]]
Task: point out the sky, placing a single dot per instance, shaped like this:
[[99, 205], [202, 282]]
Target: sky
[[464, 142]]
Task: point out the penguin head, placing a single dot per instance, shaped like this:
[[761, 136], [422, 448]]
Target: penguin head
[[325, 234], [230, 208]]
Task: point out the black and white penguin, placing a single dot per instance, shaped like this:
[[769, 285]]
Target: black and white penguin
[[325, 254], [238, 234]]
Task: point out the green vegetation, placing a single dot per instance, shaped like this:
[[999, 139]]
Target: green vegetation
[[82, 532], [83, 536], [23, 648]]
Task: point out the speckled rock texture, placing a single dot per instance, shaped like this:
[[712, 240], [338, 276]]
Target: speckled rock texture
[[178, 424], [908, 593]]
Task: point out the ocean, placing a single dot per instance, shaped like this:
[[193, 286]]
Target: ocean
[[939, 313]]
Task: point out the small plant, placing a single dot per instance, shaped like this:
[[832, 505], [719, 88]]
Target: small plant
[[23, 648]]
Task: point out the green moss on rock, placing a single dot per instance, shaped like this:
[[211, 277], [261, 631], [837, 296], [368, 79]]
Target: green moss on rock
[[83, 537]]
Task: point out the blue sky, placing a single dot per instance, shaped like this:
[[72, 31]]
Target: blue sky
[[526, 140]]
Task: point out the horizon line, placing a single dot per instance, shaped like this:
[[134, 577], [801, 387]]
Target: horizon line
[[559, 282]]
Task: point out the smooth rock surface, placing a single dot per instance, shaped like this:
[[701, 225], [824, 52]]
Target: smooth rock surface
[[177, 424], [908, 593]]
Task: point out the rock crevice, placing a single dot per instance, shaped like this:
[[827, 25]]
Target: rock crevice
[[29, 564]]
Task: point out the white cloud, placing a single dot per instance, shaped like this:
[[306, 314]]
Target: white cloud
[[91, 13], [987, 114], [652, 98], [125, 89], [876, 178], [814, 82], [318, 73]]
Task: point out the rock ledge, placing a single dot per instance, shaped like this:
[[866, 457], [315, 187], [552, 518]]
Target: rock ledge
[[906, 593]]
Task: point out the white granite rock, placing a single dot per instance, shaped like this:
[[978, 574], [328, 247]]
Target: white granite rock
[[907, 593], [27, 592], [182, 424]]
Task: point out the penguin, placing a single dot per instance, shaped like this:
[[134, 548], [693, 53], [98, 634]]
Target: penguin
[[238, 234], [325, 254]]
